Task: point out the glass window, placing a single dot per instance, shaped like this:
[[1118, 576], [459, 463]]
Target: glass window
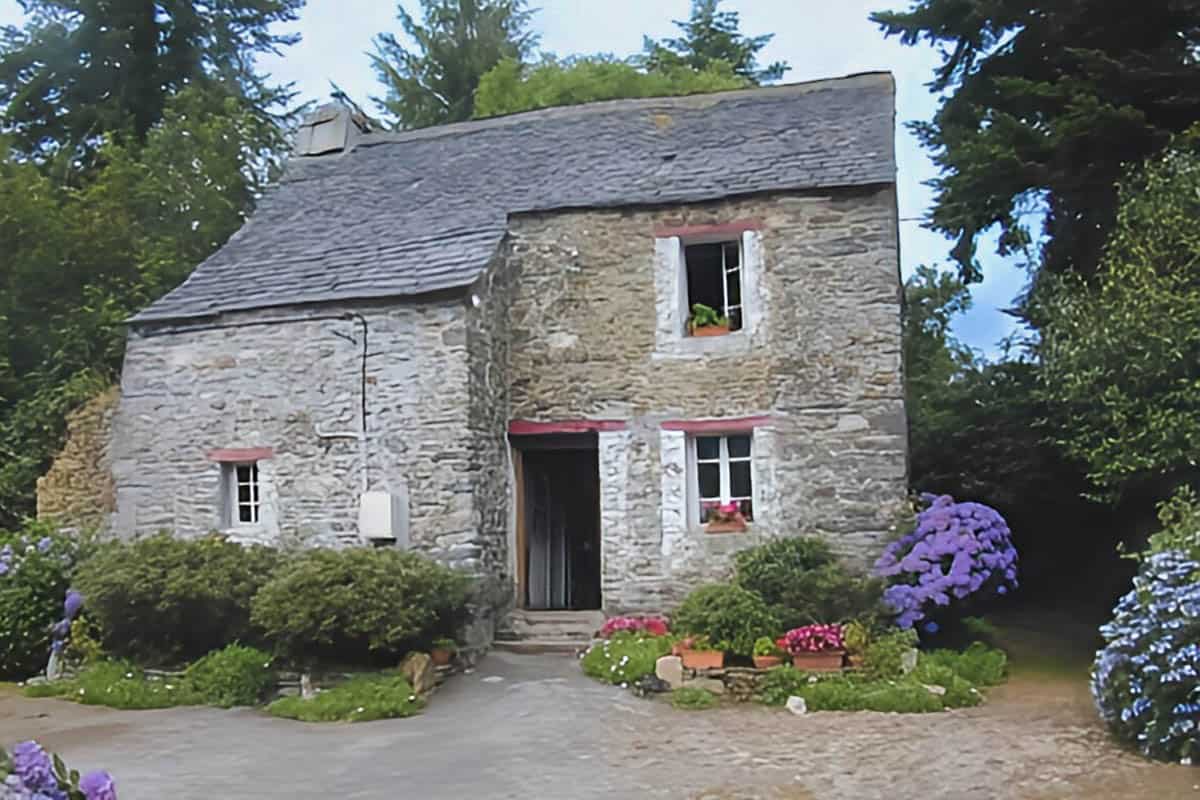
[[724, 474]]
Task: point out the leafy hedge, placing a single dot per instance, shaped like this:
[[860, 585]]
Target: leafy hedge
[[164, 600], [804, 584], [730, 616], [359, 605]]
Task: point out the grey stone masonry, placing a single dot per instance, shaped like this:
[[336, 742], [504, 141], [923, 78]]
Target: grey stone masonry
[[293, 381], [819, 369]]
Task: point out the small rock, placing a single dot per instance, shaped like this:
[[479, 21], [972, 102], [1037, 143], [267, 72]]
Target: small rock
[[797, 705], [670, 670], [934, 689], [417, 669], [306, 687], [707, 684], [908, 661]]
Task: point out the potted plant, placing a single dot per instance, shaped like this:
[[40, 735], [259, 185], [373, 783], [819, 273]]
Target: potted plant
[[443, 652], [706, 321], [697, 653], [816, 648], [766, 653], [856, 637], [723, 518]]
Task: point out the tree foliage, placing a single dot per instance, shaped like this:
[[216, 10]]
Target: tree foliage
[[1122, 357], [510, 86], [456, 44], [79, 70], [1044, 104], [710, 37]]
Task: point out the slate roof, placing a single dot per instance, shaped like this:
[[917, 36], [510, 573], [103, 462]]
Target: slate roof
[[409, 213]]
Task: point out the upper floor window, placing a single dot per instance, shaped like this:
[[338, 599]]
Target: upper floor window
[[241, 493], [714, 287], [724, 478]]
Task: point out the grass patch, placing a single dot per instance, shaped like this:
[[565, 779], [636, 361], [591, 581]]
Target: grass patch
[[234, 676], [692, 698], [979, 664], [625, 657], [358, 700]]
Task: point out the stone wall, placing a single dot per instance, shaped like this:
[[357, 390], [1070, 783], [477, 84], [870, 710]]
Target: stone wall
[[281, 379], [78, 491], [821, 363]]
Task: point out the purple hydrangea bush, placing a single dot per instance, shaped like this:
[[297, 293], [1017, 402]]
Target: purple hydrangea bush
[[1146, 679], [956, 551], [30, 773]]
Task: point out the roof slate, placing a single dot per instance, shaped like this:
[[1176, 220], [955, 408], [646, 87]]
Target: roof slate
[[416, 212]]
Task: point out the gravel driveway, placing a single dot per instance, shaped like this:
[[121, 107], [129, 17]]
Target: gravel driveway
[[544, 731]]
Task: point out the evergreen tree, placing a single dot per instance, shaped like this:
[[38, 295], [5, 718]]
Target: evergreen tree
[[709, 36], [81, 69], [1044, 105], [457, 42]]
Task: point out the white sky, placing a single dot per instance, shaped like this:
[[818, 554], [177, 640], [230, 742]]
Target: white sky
[[819, 38]]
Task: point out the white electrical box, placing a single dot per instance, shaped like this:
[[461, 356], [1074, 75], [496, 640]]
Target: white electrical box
[[384, 516]]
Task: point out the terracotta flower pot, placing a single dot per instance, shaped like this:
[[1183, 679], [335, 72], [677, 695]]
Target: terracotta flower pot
[[441, 656], [702, 659], [725, 526], [711, 330], [767, 662], [824, 661]]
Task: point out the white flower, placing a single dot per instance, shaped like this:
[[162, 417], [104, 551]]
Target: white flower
[[128, 674], [359, 710], [169, 686]]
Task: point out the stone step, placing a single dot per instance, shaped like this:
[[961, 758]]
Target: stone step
[[542, 646], [550, 625]]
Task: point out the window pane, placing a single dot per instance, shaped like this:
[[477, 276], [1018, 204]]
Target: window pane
[[245, 513], [704, 275], [710, 480], [739, 447], [739, 479], [708, 447], [733, 254], [244, 493], [243, 473], [734, 281], [735, 319]]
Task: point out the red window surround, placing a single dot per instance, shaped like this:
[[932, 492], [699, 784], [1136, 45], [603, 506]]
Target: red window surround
[[734, 228], [525, 427], [241, 455], [733, 425]]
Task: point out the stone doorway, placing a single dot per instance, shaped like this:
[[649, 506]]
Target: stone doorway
[[558, 522]]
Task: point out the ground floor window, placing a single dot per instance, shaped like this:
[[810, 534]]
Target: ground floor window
[[241, 491], [724, 476]]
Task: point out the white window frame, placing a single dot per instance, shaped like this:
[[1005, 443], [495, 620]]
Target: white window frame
[[723, 461], [726, 271], [232, 484]]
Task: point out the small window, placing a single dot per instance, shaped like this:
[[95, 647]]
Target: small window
[[724, 476], [242, 493], [714, 280]]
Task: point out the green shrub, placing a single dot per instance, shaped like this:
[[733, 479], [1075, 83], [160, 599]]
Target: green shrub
[[358, 700], [625, 657], [36, 564], [1180, 520], [234, 676], [692, 699], [120, 684], [859, 693], [804, 584], [163, 600], [730, 616], [883, 656], [979, 664], [359, 605]]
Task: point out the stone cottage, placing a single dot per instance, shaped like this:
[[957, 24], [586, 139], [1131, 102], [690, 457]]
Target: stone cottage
[[481, 341]]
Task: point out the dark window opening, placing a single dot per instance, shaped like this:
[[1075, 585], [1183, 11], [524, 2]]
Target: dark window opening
[[714, 279]]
